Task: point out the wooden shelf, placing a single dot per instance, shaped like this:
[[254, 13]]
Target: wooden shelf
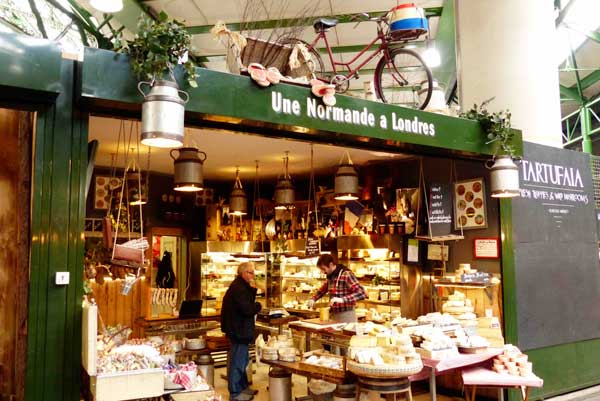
[[384, 303]]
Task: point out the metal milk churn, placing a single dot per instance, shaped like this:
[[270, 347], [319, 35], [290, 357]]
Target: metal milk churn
[[504, 177], [188, 169], [163, 113]]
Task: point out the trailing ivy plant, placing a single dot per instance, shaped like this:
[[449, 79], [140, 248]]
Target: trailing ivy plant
[[157, 48], [497, 126]]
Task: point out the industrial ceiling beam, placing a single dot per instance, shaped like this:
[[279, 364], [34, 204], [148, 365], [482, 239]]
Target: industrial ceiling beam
[[291, 22], [590, 79], [571, 93]]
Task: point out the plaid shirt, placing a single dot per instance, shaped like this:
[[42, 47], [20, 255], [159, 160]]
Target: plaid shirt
[[342, 283]]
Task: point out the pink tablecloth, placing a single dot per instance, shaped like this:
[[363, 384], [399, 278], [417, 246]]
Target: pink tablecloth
[[461, 360], [487, 377]]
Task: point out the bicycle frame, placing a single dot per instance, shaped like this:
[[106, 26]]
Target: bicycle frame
[[353, 72]]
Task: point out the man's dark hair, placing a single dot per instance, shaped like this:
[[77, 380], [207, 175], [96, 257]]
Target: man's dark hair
[[325, 260]]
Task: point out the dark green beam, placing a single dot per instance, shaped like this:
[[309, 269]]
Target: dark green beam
[[285, 23]]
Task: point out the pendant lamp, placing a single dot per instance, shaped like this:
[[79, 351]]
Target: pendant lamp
[[238, 202], [284, 190], [138, 192], [188, 169], [346, 180], [504, 177], [107, 6]]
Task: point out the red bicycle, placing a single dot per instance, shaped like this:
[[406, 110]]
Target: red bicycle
[[401, 76]]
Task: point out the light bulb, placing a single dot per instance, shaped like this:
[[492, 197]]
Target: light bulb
[[432, 57]]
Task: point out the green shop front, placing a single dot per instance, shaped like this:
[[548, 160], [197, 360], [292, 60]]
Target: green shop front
[[540, 249]]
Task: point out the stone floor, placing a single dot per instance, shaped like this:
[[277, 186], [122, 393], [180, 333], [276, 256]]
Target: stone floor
[[299, 387]]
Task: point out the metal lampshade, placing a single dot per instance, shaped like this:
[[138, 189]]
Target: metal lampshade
[[284, 190], [238, 202], [188, 169], [163, 112], [504, 178], [346, 182], [137, 191]]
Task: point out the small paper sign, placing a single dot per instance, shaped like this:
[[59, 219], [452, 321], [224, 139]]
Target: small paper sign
[[486, 248]]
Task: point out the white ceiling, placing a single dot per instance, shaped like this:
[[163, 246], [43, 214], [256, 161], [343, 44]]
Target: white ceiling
[[225, 150]]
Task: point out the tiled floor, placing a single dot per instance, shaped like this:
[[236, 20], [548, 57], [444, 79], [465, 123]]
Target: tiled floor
[[299, 387]]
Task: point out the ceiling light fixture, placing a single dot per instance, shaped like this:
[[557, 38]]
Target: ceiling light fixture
[[238, 202], [284, 190], [346, 180], [163, 113], [188, 169], [504, 177], [107, 6]]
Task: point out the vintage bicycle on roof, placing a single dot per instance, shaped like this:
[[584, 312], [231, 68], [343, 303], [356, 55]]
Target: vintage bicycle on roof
[[401, 76]]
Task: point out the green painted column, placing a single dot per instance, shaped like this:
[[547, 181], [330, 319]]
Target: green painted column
[[586, 128]]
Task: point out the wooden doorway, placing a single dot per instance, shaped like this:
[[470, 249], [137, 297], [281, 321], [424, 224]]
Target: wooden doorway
[[15, 199]]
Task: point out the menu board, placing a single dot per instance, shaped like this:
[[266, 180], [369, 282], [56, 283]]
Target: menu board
[[557, 272], [312, 246], [440, 210]]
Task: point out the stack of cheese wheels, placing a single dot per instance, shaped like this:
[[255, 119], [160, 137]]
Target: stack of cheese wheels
[[513, 362], [461, 308]]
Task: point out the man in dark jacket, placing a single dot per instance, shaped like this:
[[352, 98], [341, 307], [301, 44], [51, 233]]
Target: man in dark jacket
[[237, 322]]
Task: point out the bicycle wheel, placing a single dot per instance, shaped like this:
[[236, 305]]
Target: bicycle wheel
[[315, 63], [400, 77]]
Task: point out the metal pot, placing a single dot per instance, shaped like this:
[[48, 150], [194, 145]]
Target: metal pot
[[188, 169], [504, 177], [163, 113]]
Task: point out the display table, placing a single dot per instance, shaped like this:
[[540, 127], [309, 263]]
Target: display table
[[296, 368], [435, 367], [482, 377], [326, 334], [277, 322]]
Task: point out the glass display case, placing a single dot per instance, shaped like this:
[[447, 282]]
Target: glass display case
[[219, 269], [300, 278], [376, 263]]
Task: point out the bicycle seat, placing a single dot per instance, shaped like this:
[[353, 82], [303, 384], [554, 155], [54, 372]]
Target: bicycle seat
[[324, 24]]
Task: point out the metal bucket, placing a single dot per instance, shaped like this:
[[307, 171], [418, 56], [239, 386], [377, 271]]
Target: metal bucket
[[238, 201], [206, 368], [163, 114], [504, 177], [188, 169], [346, 182], [280, 385], [345, 392]]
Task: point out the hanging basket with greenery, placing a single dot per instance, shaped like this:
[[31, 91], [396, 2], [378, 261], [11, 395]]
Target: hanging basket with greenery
[[496, 126], [158, 47]]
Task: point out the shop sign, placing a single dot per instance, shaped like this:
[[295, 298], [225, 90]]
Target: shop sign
[[314, 109]]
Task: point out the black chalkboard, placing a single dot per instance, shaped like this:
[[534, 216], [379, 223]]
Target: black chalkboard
[[440, 210], [556, 249], [312, 246]]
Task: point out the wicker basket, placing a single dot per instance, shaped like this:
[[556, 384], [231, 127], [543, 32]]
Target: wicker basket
[[377, 371]]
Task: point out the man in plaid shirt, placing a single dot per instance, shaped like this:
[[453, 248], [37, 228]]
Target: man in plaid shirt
[[343, 287]]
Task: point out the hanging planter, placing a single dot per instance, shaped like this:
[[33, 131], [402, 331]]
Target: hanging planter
[[158, 47], [504, 174]]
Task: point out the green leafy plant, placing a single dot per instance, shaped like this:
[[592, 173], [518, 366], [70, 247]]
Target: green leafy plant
[[497, 126], [158, 47]]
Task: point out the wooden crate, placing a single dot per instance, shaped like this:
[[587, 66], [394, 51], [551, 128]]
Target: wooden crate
[[127, 385], [322, 370]]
